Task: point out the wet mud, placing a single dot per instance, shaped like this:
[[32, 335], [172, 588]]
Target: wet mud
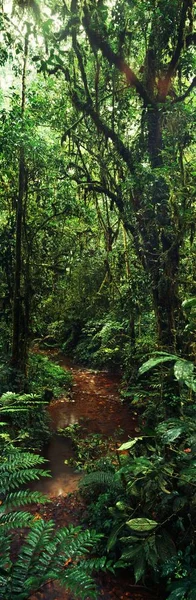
[[95, 403]]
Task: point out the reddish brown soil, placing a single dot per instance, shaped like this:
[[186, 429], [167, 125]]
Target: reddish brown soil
[[95, 400]]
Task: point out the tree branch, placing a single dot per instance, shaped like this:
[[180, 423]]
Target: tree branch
[[76, 48], [47, 220], [96, 187], [96, 39], [190, 39], [176, 55], [66, 133], [123, 151], [188, 91]]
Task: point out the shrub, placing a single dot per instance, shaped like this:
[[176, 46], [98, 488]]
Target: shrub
[[46, 375], [27, 419]]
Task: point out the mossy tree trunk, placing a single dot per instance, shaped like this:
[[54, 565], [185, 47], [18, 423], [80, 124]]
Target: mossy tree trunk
[[18, 359]]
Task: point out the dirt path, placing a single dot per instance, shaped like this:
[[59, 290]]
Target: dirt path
[[95, 402]]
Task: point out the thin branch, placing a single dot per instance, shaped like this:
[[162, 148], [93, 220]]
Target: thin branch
[[77, 50], [190, 39], [188, 91], [66, 133], [123, 151], [48, 219], [93, 186]]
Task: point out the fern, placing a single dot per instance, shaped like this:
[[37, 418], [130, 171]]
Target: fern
[[45, 554], [99, 480], [15, 520], [13, 480], [20, 498], [16, 459], [79, 583], [17, 468], [98, 564]]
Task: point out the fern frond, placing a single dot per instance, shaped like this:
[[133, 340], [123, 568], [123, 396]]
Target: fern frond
[[5, 551], [21, 498], [45, 554], [79, 583], [36, 542], [15, 520], [97, 564], [17, 400], [15, 459], [3, 586], [99, 479], [10, 481], [78, 544]]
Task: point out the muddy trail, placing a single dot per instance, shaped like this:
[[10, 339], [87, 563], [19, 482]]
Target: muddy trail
[[95, 403]]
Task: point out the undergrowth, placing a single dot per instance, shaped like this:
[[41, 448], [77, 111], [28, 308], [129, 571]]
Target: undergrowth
[[45, 554], [89, 447], [144, 502], [27, 420], [44, 375]]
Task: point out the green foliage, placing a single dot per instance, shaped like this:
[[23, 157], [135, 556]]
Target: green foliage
[[27, 419], [98, 514], [184, 370], [101, 342], [97, 482], [156, 501], [17, 468], [44, 374], [112, 245], [182, 569], [45, 553], [89, 447]]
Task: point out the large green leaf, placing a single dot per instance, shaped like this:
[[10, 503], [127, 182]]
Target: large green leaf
[[113, 536], [189, 303], [129, 444], [142, 524], [184, 371], [172, 434], [153, 362], [178, 594], [165, 546], [139, 566]]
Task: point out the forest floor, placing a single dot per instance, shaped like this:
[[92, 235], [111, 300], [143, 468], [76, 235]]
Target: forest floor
[[64, 510], [95, 402]]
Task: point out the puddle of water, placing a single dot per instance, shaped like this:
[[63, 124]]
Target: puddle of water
[[64, 480]]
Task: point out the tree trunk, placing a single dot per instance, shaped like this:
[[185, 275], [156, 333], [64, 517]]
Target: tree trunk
[[18, 360], [162, 246]]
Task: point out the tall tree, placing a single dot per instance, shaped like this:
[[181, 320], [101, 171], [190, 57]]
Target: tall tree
[[18, 359], [157, 38]]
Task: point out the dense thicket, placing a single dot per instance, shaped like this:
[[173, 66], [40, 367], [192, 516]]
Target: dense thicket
[[97, 171], [97, 256]]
